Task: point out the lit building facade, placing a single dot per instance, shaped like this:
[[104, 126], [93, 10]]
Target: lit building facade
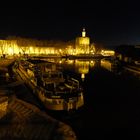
[[82, 44], [10, 47], [23, 46]]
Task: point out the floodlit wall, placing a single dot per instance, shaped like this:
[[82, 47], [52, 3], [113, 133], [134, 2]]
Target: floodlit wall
[[82, 45], [10, 47]]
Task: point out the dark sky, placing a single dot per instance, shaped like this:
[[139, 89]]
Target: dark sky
[[109, 22]]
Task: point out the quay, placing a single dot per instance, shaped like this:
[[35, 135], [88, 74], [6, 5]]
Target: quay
[[72, 57]]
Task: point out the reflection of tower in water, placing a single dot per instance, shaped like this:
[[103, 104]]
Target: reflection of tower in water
[[82, 67]]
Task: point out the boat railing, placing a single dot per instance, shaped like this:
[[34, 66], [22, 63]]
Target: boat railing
[[72, 83]]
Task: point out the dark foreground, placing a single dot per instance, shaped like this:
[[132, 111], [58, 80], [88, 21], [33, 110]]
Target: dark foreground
[[111, 110], [112, 107]]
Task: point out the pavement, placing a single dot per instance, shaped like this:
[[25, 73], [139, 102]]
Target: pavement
[[22, 120]]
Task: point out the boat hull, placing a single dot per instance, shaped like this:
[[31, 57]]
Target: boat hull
[[73, 103]]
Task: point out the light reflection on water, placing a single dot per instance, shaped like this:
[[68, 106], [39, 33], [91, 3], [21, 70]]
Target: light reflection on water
[[108, 97], [81, 67]]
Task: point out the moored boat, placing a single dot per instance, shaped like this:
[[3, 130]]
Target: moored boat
[[55, 91]]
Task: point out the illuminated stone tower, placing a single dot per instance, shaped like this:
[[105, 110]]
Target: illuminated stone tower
[[82, 43], [83, 33]]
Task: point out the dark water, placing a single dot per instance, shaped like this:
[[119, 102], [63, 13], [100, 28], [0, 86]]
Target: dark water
[[112, 103]]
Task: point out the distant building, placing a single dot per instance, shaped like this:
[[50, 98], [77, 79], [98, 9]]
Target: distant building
[[107, 52], [128, 53], [82, 44], [11, 47]]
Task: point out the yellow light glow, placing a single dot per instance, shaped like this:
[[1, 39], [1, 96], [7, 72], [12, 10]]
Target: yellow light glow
[[82, 66], [106, 64], [70, 61], [83, 76], [10, 51], [107, 52], [91, 62], [84, 41], [83, 33]]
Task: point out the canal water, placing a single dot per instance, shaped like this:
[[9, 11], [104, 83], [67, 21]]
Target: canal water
[[111, 101]]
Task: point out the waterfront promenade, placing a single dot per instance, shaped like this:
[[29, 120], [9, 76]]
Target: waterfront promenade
[[4, 63]]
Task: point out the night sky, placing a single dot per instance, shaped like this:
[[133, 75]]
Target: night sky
[[107, 22]]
